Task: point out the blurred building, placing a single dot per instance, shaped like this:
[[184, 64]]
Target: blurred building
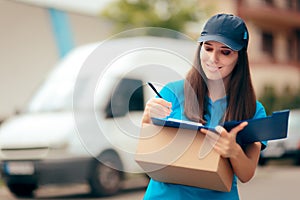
[[29, 48], [275, 40], [276, 26], [274, 46]]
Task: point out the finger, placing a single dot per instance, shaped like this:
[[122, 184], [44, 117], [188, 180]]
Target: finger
[[203, 130], [206, 131], [211, 135], [157, 108], [238, 128], [158, 101], [220, 130], [162, 102], [154, 109], [159, 111]]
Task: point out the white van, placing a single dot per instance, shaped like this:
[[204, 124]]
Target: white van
[[285, 148], [83, 123]]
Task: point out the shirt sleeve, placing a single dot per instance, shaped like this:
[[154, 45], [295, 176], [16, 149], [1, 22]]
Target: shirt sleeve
[[168, 93], [260, 113], [174, 93]]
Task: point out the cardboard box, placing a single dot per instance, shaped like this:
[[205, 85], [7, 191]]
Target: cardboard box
[[172, 155]]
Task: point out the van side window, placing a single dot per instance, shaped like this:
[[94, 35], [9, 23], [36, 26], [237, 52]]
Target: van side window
[[127, 96]]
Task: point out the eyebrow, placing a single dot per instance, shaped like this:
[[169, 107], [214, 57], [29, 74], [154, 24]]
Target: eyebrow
[[208, 43]]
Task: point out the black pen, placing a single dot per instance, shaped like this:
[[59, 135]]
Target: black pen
[[153, 88]]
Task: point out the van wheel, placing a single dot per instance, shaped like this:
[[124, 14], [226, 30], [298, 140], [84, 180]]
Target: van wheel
[[106, 175], [262, 161], [297, 159], [22, 190]]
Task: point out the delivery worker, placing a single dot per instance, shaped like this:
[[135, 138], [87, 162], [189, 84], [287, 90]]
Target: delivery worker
[[218, 88]]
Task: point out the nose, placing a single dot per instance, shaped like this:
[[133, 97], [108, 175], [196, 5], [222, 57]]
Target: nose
[[214, 57]]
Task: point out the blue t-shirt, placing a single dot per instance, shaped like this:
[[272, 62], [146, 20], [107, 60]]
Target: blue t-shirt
[[173, 92]]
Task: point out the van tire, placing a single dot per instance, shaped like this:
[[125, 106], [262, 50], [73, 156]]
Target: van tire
[[22, 190], [106, 174], [262, 161]]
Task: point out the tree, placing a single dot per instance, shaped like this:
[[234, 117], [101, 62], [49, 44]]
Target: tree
[[170, 14], [274, 101]]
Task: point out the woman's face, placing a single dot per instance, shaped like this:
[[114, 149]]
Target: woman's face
[[217, 60]]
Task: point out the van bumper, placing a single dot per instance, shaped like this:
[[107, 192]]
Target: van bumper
[[44, 172]]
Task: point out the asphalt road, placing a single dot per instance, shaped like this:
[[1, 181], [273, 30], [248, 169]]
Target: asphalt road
[[272, 182]]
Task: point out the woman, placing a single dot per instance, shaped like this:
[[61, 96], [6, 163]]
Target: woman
[[218, 88]]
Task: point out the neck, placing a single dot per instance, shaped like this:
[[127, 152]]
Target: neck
[[217, 88]]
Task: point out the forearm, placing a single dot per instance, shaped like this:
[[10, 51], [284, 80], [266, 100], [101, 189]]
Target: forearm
[[245, 163]]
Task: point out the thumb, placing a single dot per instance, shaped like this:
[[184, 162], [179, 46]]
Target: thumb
[[238, 128]]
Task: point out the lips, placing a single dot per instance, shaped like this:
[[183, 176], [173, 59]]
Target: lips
[[213, 68]]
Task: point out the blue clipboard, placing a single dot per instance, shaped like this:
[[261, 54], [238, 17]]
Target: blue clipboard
[[168, 122], [272, 127]]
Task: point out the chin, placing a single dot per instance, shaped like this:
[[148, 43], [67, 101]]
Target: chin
[[214, 77]]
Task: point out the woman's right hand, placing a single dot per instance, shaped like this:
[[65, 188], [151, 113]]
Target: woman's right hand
[[156, 107]]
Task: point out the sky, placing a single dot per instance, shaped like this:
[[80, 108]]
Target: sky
[[89, 7]]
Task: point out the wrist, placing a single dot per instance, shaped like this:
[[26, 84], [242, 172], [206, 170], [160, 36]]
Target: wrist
[[238, 151]]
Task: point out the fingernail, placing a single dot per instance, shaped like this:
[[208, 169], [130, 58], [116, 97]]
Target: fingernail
[[219, 129]]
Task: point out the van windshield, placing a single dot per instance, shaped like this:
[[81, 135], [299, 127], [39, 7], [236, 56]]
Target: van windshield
[[54, 95], [57, 91]]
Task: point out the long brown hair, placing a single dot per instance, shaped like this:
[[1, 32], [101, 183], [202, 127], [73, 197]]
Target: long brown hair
[[241, 98]]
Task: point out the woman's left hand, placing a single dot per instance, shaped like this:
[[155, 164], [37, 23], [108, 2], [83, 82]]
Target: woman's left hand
[[243, 162], [226, 144]]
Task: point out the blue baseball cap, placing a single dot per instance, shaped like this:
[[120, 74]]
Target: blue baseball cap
[[227, 29]]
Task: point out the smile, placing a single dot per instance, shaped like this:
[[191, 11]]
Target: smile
[[213, 68]]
